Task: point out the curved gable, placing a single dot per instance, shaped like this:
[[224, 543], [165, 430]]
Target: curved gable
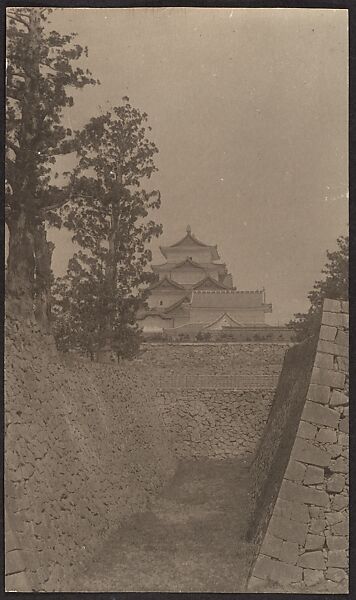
[[208, 283]]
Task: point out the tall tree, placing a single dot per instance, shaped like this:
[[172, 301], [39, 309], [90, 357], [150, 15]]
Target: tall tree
[[39, 72], [334, 285], [109, 219]]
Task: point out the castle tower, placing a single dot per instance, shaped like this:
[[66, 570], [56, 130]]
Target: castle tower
[[192, 286]]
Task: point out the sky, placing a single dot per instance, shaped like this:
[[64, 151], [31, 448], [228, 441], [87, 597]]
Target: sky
[[249, 110]]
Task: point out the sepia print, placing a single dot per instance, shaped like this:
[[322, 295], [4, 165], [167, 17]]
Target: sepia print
[[176, 331]]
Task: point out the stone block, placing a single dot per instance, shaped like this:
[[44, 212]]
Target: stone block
[[306, 431], [316, 512], [14, 562], [332, 348], [340, 528], [335, 516], [305, 451], [342, 338], [11, 543], [337, 542], [338, 398], [313, 475], [329, 334], [335, 483], [314, 542], [271, 546], [335, 574], [263, 567], [345, 306], [320, 415], [301, 493], [335, 450], [335, 379], [299, 513], [339, 502], [326, 435], [312, 560], [291, 510], [332, 305], [340, 465], [255, 585], [343, 438], [344, 425], [338, 558], [317, 526], [312, 577], [335, 319], [286, 529], [295, 471], [318, 393], [18, 582], [342, 363], [289, 553], [285, 573]]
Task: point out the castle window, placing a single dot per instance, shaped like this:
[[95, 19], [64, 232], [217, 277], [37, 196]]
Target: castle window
[[161, 302]]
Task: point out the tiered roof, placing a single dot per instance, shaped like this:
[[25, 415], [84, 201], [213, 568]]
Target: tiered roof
[[189, 262], [226, 299], [189, 241]]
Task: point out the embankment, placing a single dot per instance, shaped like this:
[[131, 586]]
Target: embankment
[[215, 398], [300, 472], [84, 448]]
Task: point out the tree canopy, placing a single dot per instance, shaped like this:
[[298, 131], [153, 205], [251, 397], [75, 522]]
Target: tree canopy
[[110, 222], [40, 72], [334, 285]]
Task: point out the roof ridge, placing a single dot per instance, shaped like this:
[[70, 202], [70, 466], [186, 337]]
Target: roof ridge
[[227, 291]]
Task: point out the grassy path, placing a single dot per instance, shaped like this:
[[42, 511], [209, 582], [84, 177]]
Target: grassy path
[[191, 539]]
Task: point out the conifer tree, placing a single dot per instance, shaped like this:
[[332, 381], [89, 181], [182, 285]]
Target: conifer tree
[[335, 285], [110, 222], [40, 71]]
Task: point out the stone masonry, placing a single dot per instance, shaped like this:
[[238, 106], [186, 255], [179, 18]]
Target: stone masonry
[[216, 423], [84, 449], [306, 545]]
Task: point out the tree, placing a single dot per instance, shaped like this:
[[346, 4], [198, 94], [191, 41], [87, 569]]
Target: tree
[[335, 285], [109, 219], [39, 72]]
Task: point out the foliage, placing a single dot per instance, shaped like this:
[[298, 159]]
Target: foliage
[[334, 285], [203, 336], [39, 73], [109, 222]]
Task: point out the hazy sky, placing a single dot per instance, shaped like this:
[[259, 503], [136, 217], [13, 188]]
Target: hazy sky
[[248, 108]]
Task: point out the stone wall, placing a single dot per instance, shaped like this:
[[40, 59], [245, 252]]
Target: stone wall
[[84, 448], [215, 397], [212, 358], [216, 423], [305, 535]]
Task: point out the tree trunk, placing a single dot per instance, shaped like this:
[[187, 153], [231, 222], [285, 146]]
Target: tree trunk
[[43, 276], [20, 220], [20, 266], [111, 265]]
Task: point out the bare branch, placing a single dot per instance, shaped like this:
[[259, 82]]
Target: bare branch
[[55, 206], [18, 18], [15, 74]]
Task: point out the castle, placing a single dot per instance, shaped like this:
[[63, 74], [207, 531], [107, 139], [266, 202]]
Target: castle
[[195, 292]]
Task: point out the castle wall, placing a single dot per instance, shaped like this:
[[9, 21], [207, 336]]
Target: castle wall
[[301, 470], [215, 423], [214, 398], [84, 449]]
